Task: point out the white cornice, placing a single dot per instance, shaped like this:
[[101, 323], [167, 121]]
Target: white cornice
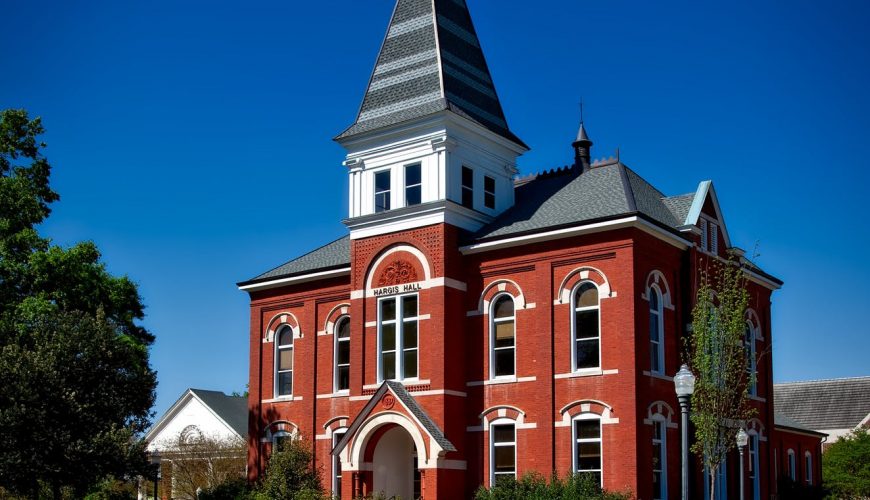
[[596, 227], [293, 280]]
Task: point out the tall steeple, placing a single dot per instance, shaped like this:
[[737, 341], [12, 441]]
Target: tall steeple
[[582, 147], [430, 61]]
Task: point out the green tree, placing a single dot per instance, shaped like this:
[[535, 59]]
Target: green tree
[[290, 474], [720, 403], [846, 466], [534, 486], [77, 386]]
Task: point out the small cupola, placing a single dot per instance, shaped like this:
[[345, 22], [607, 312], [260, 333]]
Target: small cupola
[[582, 150]]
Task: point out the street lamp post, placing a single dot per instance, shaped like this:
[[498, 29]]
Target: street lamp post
[[742, 441], [684, 384], [155, 462]]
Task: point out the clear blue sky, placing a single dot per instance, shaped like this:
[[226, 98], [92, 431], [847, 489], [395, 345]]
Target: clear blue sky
[[192, 141]]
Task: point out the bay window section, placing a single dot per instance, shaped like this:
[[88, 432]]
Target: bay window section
[[342, 354], [397, 338], [503, 338], [585, 327]]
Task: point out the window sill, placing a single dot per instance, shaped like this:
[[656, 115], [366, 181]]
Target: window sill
[[753, 397], [586, 372], [660, 376], [337, 394], [407, 381], [282, 399], [501, 380]]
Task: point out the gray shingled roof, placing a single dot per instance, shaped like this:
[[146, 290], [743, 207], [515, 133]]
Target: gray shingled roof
[[333, 254], [561, 198], [824, 404], [430, 61], [410, 403], [232, 409], [781, 420]]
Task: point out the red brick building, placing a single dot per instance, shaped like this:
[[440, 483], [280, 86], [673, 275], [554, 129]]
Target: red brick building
[[474, 324]]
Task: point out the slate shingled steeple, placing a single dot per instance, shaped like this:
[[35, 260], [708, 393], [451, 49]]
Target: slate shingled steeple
[[430, 61]]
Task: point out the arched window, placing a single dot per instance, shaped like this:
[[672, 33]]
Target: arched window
[[502, 337], [656, 331], [586, 336], [586, 433], [502, 450], [280, 440], [284, 362], [342, 354], [792, 467], [749, 349]]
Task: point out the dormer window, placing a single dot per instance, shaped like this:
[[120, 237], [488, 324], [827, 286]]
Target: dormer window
[[709, 236], [413, 185], [382, 191], [467, 187], [489, 192]]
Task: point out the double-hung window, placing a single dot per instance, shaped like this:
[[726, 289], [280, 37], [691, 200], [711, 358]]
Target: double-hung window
[[284, 362], [413, 185], [397, 337], [503, 337], [342, 354], [792, 466], [753, 467], [488, 192], [585, 327], [808, 467], [467, 187], [660, 461], [502, 452], [587, 446], [749, 349], [336, 465], [382, 191], [656, 331]]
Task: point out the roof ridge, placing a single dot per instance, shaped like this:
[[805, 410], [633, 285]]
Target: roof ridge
[[626, 187], [837, 379]]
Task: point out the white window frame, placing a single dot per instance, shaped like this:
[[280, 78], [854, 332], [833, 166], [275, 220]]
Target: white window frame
[[389, 191], [752, 365], [399, 321], [492, 348], [463, 187], [754, 471], [575, 441], [493, 445], [336, 460], [659, 313], [408, 186], [336, 365], [659, 422], [281, 434], [278, 371], [792, 465], [808, 465], [574, 311], [489, 193]]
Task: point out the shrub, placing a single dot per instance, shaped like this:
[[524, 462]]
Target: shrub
[[846, 466], [235, 488], [290, 475], [534, 486]]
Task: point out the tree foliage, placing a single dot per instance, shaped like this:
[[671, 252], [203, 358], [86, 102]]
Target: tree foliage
[[201, 461], [846, 466], [720, 403], [290, 474], [534, 486], [77, 386]]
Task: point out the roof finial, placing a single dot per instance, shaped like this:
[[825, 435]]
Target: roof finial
[[582, 146]]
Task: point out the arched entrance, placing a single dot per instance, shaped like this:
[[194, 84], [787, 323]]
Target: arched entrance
[[394, 465]]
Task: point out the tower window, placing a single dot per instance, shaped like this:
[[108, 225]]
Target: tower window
[[489, 192], [467, 187], [382, 191], [413, 185]]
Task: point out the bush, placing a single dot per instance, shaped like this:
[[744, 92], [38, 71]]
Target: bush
[[290, 475], [846, 466], [235, 488], [534, 486]]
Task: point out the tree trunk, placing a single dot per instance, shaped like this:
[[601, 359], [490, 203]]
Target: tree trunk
[[713, 473]]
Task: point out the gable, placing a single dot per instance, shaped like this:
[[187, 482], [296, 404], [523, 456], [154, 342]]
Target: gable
[[189, 410]]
